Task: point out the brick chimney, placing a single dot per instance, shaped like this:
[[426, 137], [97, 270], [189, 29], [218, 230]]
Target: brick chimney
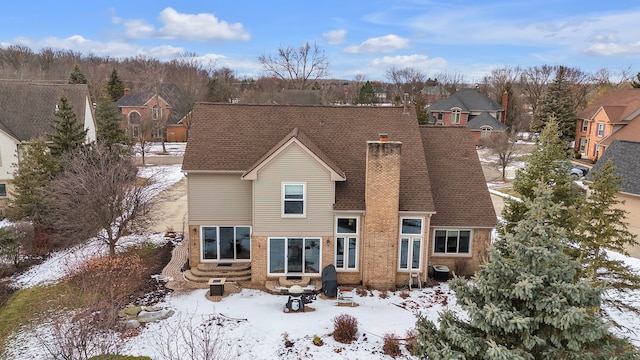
[[127, 91], [505, 101], [382, 199]]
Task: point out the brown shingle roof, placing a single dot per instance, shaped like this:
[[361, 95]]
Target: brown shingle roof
[[27, 108], [459, 187], [629, 132], [232, 137], [627, 99]]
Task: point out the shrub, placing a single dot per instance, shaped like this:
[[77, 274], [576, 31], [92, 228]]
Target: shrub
[[391, 345], [384, 294], [412, 341], [345, 328], [119, 357], [317, 340]]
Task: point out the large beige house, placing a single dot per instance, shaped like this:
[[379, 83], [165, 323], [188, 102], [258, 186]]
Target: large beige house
[[280, 192]]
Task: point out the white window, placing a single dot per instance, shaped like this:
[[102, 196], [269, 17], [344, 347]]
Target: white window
[[583, 144], [226, 242], [346, 243], [156, 133], [135, 131], [452, 242], [295, 256], [585, 125], [410, 249], [600, 132], [293, 200], [455, 116], [156, 112], [485, 132]]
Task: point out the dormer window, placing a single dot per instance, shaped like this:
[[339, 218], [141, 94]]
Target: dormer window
[[156, 112], [455, 115]]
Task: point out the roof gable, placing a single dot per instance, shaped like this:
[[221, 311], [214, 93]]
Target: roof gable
[[627, 99], [235, 137], [27, 109], [292, 139], [485, 119]]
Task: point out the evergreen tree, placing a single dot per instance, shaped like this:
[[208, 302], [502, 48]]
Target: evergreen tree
[[512, 120], [600, 227], [557, 102], [76, 76], [525, 302], [69, 133], [115, 87], [108, 119], [367, 94], [36, 168], [636, 82], [548, 163]]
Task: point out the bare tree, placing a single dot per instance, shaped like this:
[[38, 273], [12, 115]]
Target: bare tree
[[449, 83], [405, 81], [503, 145], [185, 339], [98, 194], [299, 66]]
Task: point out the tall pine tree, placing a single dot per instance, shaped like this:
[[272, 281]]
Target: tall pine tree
[[69, 133], [367, 94], [557, 102], [76, 76], [525, 302], [600, 227], [115, 87], [548, 163], [36, 168], [108, 118]]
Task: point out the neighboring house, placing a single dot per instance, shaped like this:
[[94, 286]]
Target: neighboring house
[[469, 107], [276, 192], [27, 112], [614, 116], [625, 156], [155, 113]]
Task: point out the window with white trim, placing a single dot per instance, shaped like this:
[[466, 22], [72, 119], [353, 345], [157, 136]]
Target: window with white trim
[[346, 243], [410, 248], [585, 125], [452, 242], [600, 132], [294, 255], [293, 200], [455, 116], [583, 144], [156, 112], [485, 132]]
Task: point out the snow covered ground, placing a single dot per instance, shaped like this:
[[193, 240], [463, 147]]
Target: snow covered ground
[[252, 325]]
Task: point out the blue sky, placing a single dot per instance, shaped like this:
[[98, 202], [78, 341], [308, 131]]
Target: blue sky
[[359, 37]]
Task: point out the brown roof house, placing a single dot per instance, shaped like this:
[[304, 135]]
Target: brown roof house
[[155, 114], [27, 111], [280, 192], [614, 116]]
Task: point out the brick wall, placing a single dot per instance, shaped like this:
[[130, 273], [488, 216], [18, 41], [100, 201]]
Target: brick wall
[[382, 194]]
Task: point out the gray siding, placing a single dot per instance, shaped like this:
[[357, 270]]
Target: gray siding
[[293, 165], [220, 199]]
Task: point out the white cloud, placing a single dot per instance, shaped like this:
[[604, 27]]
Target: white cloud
[[334, 37], [421, 62], [198, 27], [379, 45], [613, 49]]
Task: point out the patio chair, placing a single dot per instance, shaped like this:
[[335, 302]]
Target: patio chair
[[345, 296]]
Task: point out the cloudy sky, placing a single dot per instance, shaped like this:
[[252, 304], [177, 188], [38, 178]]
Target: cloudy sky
[[358, 36]]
